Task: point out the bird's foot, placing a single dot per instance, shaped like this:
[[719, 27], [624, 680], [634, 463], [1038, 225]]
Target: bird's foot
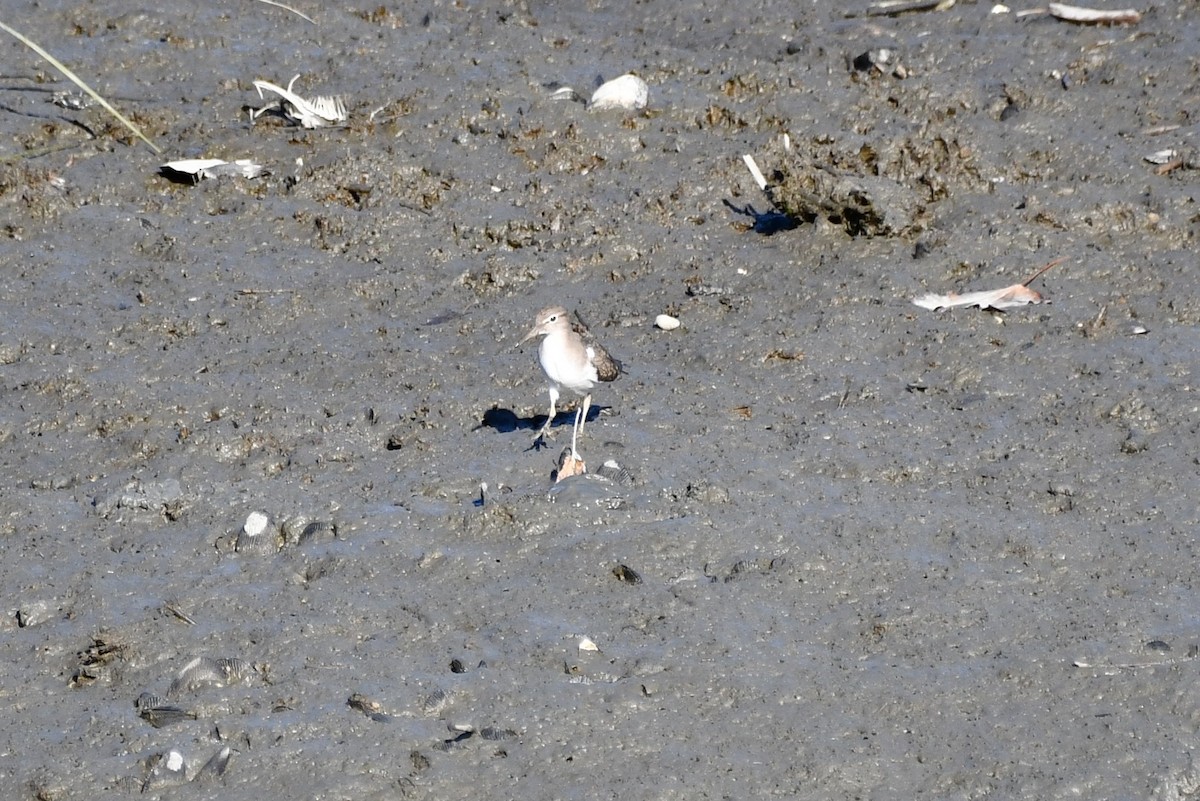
[[541, 440]]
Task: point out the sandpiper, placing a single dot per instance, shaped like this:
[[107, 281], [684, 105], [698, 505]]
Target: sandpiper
[[572, 359]]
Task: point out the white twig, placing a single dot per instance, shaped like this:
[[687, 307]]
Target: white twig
[[289, 8], [755, 171], [1081, 14]]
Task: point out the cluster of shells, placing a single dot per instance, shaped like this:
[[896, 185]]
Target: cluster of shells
[[263, 535], [173, 767]]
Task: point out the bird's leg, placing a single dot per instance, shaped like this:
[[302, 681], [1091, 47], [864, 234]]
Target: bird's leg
[[575, 434], [540, 439], [587, 404]]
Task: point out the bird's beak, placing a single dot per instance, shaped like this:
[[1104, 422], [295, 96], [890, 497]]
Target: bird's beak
[[533, 332]]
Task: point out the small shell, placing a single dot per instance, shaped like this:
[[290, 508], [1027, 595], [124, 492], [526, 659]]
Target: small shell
[[256, 523], [436, 702], [318, 531], [626, 92], [204, 671], [160, 716], [588, 644], [199, 672], [666, 322], [234, 669], [627, 574], [566, 93], [615, 473], [493, 733], [293, 527], [215, 766], [258, 536], [148, 700], [158, 713]]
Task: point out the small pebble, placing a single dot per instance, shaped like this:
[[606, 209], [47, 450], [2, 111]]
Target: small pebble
[[666, 322]]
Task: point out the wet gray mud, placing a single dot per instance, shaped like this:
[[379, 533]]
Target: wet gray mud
[[869, 551]]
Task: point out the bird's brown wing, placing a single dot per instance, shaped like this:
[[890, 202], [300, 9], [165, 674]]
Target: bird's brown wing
[[607, 368]]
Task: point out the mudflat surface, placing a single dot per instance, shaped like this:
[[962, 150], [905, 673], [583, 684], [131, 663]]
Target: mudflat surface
[[883, 552]]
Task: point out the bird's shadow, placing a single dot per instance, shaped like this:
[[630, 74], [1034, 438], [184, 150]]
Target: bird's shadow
[[506, 421]]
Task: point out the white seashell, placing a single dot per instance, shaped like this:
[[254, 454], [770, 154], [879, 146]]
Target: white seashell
[[193, 166], [627, 92], [175, 761], [257, 536], [256, 523], [1161, 156], [666, 322], [566, 93], [197, 169], [587, 644]]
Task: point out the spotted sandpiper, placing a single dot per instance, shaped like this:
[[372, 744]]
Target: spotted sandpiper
[[572, 359]]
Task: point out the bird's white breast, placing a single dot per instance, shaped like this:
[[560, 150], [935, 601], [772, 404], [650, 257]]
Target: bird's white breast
[[568, 363]]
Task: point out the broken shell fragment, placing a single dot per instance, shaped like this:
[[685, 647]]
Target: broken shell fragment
[[878, 58], [318, 112], [215, 767], [158, 713], [569, 464], [627, 574], [879, 61], [494, 733], [666, 322], [198, 169], [166, 770], [588, 644], [1162, 156], [613, 471], [626, 92]]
